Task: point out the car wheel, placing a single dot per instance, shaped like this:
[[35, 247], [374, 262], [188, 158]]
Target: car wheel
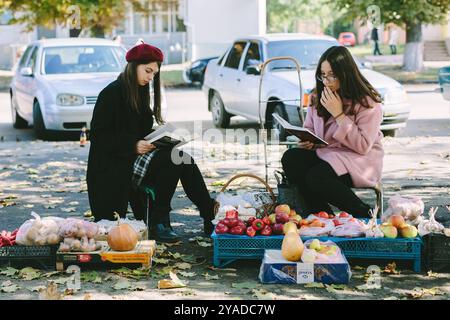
[[274, 125], [38, 121], [17, 120], [221, 118], [390, 133]]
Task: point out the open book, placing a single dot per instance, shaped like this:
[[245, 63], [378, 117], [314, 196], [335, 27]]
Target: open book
[[302, 133], [165, 137]]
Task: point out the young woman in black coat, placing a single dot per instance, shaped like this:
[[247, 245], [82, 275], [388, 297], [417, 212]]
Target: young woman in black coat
[[122, 118]]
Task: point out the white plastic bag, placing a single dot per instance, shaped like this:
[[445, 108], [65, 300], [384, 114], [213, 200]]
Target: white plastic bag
[[351, 229], [39, 231], [328, 252], [410, 207], [317, 231]]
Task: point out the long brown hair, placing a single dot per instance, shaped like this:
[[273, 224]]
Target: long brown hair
[[353, 85], [138, 96]]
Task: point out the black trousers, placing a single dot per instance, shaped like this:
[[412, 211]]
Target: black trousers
[[376, 49], [393, 48], [164, 173], [319, 184]]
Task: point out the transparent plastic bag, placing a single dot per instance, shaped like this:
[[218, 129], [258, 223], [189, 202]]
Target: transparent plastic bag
[[39, 231], [351, 229], [317, 231], [322, 252], [410, 207]]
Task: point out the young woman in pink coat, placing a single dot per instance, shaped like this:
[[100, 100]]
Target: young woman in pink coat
[[346, 112]]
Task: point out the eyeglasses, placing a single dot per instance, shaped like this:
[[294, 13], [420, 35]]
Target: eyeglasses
[[328, 78]]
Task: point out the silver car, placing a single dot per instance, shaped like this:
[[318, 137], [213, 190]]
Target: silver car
[[232, 81], [57, 81]]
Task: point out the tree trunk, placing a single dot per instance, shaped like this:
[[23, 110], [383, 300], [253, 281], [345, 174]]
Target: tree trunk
[[98, 32], [413, 56]]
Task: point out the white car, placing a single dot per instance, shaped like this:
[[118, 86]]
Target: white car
[[232, 81], [57, 82]]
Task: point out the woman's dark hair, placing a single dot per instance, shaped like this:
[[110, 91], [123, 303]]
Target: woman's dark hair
[[139, 96], [353, 85]]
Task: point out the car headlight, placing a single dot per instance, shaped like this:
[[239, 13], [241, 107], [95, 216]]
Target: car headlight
[[66, 99], [394, 96]]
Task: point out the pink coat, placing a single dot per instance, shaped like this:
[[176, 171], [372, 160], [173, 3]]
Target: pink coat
[[354, 145]]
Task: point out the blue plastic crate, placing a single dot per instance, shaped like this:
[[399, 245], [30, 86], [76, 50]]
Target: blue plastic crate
[[229, 248]]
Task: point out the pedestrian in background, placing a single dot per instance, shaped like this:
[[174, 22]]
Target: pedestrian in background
[[374, 38], [393, 39]]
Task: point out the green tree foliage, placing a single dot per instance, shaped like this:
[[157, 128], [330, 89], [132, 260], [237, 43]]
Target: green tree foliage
[[99, 16], [410, 14], [283, 14]]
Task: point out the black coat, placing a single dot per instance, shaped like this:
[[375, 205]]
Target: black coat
[[115, 130], [374, 35]]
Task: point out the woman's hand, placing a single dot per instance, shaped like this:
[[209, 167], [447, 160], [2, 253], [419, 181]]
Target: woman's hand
[[309, 145], [332, 102], [143, 146]]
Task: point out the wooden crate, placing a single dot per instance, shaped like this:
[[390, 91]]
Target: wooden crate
[[106, 258]]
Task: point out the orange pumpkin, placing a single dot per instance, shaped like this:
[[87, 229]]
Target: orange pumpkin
[[122, 237]]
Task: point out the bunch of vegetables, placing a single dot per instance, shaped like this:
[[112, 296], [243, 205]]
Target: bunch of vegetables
[[8, 239], [78, 235], [267, 226], [39, 231]]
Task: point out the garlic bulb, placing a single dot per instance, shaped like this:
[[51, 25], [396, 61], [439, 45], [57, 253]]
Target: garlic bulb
[[372, 229], [431, 225]]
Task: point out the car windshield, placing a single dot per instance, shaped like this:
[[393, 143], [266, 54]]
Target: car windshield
[[307, 52], [83, 59]]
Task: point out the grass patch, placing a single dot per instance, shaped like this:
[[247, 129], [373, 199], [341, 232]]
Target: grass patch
[[428, 75], [362, 50], [173, 78]]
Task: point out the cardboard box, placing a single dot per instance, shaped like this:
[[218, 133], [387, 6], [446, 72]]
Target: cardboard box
[[276, 269], [107, 258]]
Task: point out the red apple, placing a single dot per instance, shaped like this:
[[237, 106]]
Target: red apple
[[344, 214], [277, 228], [282, 217], [396, 220], [322, 214]]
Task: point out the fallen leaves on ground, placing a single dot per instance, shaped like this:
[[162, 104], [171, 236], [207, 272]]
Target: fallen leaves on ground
[[183, 265], [315, 285], [173, 283], [136, 274], [418, 293], [92, 276], [209, 277], [187, 274], [244, 285], [262, 294], [9, 272], [29, 274], [8, 287], [391, 268]]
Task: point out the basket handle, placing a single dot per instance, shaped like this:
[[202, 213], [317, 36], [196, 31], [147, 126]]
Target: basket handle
[[249, 175]]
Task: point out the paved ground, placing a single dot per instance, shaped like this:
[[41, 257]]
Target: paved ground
[[48, 177]]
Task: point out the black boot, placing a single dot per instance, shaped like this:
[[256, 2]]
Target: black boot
[[163, 233]]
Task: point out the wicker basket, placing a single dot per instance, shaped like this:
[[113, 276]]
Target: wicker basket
[[266, 208]]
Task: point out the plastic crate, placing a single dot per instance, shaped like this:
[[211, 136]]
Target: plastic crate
[[437, 252], [25, 255], [229, 248]]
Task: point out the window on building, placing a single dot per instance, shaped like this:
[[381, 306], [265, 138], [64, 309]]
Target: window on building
[[235, 55]]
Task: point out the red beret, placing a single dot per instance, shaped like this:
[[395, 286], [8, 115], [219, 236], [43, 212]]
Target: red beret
[[145, 52]]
